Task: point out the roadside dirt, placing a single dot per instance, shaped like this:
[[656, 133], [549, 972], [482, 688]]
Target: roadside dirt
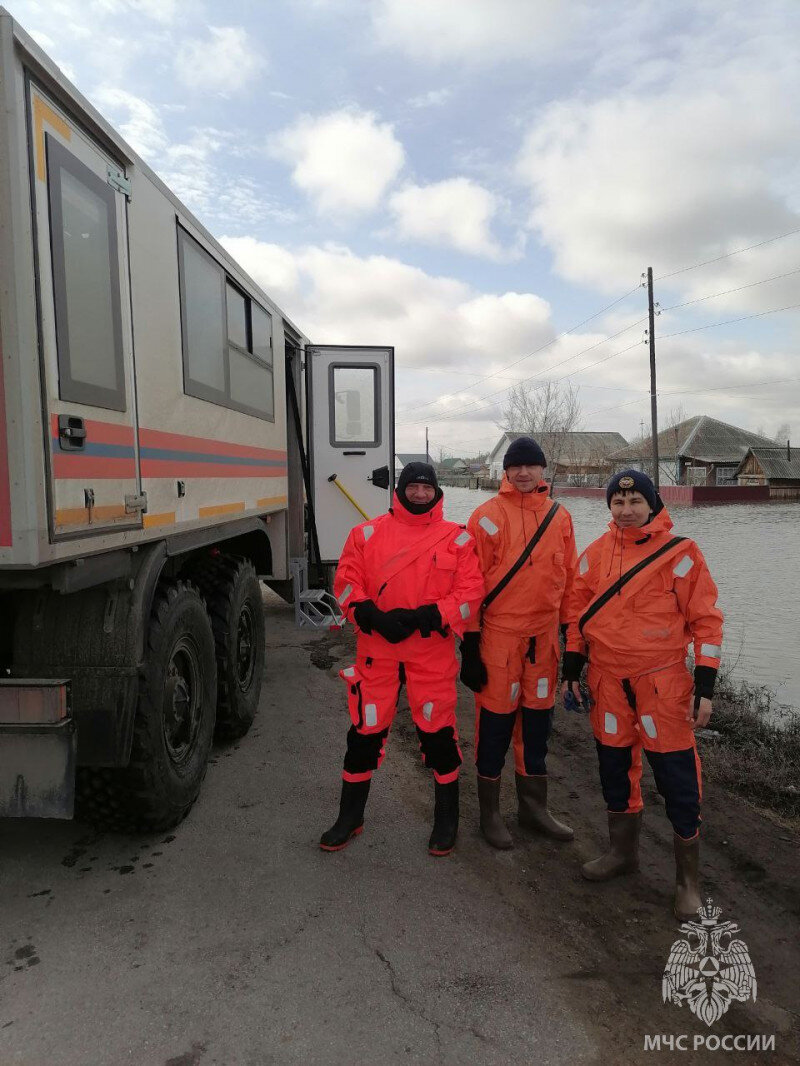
[[622, 931]]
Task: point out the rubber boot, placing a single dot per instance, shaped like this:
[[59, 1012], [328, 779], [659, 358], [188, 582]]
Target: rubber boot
[[687, 888], [445, 819], [351, 816], [492, 825], [623, 855], [533, 812]]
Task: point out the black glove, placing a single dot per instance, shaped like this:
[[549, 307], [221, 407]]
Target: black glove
[[393, 626], [572, 665], [473, 670], [705, 678], [429, 620]]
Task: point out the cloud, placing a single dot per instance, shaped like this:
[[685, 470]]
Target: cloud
[[344, 161], [137, 119], [224, 63], [432, 98], [457, 212], [690, 168], [478, 32]]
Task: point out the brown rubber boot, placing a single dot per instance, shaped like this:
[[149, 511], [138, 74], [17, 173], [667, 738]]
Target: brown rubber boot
[[533, 812], [623, 855], [492, 825], [687, 888]]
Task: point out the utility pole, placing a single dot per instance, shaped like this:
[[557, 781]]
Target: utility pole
[[427, 453], [651, 335]]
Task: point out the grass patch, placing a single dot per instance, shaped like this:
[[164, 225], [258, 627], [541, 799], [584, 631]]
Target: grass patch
[[757, 753]]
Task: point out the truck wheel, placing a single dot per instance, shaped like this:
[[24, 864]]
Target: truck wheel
[[174, 724], [233, 598]]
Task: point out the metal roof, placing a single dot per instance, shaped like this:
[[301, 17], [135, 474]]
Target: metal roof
[[775, 463], [702, 438], [575, 447], [411, 457]]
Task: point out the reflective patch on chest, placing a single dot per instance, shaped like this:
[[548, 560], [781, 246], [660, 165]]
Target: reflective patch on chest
[[462, 539], [488, 525], [583, 565], [683, 566]]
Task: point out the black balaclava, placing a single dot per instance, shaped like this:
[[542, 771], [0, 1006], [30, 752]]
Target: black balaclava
[[420, 473]]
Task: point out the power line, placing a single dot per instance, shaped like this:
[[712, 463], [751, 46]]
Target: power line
[[730, 321], [530, 355], [686, 392], [727, 255], [727, 292]]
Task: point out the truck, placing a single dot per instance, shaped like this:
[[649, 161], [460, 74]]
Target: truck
[[169, 439]]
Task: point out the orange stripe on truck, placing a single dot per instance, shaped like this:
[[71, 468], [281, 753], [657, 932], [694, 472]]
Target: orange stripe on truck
[[221, 508]]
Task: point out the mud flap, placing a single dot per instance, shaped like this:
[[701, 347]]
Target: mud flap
[[37, 770]]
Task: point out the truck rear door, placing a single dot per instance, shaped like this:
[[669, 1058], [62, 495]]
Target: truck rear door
[[351, 436], [79, 203]]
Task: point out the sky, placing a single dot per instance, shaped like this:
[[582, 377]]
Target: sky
[[481, 184]]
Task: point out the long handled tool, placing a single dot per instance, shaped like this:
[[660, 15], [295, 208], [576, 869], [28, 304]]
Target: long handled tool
[[335, 479]]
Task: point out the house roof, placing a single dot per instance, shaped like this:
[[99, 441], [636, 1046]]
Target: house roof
[[702, 438], [776, 464], [575, 447], [449, 464], [411, 457]]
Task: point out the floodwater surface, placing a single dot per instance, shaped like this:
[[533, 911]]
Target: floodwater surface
[[753, 552]]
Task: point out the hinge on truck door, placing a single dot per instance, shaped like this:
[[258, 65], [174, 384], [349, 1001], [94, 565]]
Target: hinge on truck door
[[117, 180], [134, 503]]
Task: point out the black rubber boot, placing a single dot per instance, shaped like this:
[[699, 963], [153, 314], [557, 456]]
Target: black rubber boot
[[445, 819], [351, 816]]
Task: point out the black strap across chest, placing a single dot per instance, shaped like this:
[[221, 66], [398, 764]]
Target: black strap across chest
[[520, 562], [618, 585]]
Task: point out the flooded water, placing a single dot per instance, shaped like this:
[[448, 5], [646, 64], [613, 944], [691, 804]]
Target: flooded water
[[753, 551]]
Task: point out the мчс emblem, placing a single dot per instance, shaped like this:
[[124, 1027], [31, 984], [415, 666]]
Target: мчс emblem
[[708, 969], [626, 482]]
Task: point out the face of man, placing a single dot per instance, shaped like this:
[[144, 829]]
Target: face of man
[[419, 492], [629, 509], [525, 478]]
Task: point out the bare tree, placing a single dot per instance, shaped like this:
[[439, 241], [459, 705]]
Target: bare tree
[[783, 433], [547, 412]]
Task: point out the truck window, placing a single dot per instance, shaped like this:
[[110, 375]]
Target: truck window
[[354, 399], [227, 337], [85, 257]]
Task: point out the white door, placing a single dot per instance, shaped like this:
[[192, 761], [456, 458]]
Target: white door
[[351, 438], [79, 205]]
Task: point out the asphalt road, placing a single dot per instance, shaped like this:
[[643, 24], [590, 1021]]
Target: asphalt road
[[235, 940]]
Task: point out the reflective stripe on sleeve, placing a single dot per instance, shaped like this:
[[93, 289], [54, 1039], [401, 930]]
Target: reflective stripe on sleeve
[[427, 711], [713, 651], [514, 691], [462, 539], [368, 531], [488, 525], [344, 594], [583, 565], [683, 566], [465, 611]]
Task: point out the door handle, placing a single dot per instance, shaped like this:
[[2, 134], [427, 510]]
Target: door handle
[[71, 433]]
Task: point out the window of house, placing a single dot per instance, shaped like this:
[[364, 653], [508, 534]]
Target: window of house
[[227, 337], [86, 289]]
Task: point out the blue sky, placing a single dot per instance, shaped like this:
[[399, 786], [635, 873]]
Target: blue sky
[[468, 179]]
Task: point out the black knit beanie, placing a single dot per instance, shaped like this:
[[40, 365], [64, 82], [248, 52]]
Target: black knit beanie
[[633, 481], [524, 451], [421, 474]]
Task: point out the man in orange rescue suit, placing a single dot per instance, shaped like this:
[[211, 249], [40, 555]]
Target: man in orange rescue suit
[[641, 596], [409, 581], [509, 656]]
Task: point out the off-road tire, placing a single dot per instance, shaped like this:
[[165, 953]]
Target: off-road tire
[[157, 788], [232, 593]]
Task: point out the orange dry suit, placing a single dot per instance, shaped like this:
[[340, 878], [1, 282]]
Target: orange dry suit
[[519, 643], [637, 644], [404, 560]]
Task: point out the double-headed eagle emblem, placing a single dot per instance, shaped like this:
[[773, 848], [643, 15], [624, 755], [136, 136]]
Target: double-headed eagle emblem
[[708, 970]]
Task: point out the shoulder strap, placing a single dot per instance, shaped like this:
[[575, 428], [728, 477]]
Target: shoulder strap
[[526, 551], [412, 552], [612, 590]]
